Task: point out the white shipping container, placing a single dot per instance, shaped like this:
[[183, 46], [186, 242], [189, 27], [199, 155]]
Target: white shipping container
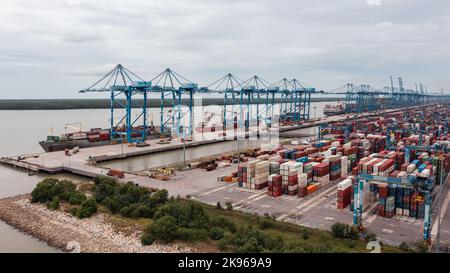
[[262, 165], [411, 168], [345, 184], [425, 173]]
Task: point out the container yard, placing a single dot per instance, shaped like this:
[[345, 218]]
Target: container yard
[[377, 162], [233, 134], [381, 172]]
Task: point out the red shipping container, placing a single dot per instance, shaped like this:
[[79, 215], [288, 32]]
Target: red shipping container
[[381, 210], [383, 191], [292, 180], [302, 192], [319, 159], [293, 192]]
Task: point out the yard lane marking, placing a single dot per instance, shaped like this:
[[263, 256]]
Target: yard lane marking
[[215, 190]]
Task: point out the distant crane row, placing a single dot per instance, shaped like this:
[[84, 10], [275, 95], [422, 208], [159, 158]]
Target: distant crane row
[[294, 99]]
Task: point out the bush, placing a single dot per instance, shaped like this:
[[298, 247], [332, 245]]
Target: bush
[[352, 232], [404, 246], [305, 234], [188, 234], [88, 208], [229, 206], [352, 244], [216, 233], [250, 246], [370, 237], [49, 188], [76, 198], [273, 243], [251, 240], [147, 239], [338, 230], [265, 224], [293, 248], [54, 204], [74, 211], [128, 199], [344, 231], [189, 214], [227, 239], [163, 229], [422, 247], [224, 223]]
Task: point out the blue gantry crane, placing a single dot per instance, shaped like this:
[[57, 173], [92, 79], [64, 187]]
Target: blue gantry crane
[[295, 104], [295, 101], [411, 181], [121, 82], [172, 86], [231, 86]]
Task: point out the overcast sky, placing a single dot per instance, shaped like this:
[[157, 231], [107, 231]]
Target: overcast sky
[[53, 48]]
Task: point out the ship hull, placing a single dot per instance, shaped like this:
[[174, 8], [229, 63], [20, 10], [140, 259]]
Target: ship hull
[[50, 146], [333, 113]]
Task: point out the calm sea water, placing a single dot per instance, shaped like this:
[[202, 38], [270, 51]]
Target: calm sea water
[[21, 132]]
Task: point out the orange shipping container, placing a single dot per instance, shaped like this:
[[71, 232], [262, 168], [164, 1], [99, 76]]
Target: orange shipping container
[[311, 189]]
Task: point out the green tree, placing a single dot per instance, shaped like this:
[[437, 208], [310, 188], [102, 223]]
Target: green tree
[[404, 246], [220, 221], [88, 208], [229, 206], [54, 204], [305, 234], [76, 198], [370, 237], [338, 230], [265, 224], [163, 229], [48, 188], [250, 246], [216, 233], [187, 214]]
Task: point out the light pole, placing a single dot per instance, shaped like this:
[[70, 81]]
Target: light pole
[[315, 107], [184, 153]]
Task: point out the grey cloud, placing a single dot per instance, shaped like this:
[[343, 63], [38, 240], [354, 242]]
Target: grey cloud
[[325, 43], [80, 38]]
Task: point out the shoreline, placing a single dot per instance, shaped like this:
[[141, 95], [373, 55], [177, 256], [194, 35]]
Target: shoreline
[[58, 229], [81, 104]]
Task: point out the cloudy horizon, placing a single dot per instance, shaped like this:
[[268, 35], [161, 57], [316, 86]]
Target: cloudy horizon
[[54, 48]]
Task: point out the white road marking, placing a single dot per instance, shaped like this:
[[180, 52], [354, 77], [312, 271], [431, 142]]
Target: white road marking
[[388, 231], [370, 219], [215, 190], [303, 207]]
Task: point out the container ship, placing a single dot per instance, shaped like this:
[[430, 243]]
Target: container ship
[[333, 109], [93, 137], [337, 109]]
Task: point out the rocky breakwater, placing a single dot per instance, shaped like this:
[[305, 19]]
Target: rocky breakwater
[[62, 230]]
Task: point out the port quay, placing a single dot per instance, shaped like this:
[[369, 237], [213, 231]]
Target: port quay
[[316, 210]]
